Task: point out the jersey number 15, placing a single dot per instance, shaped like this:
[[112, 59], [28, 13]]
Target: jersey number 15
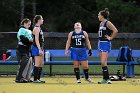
[[78, 41]]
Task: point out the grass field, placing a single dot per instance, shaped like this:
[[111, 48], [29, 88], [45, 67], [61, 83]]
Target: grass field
[[69, 85]]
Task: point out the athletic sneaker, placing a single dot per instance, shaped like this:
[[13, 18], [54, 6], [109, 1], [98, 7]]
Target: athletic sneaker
[[42, 81], [105, 82], [78, 81], [22, 80], [30, 81], [38, 81], [89, 80]]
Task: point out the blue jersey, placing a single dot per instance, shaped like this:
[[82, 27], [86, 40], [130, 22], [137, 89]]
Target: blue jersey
[[78, 40], [78, 49], [104, 30]]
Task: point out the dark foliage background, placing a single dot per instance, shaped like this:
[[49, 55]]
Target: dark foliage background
[[60, 15]]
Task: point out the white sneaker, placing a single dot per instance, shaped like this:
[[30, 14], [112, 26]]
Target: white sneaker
[[89, 80], [38, 81], [105, 82], [109, 82], [78, 81]]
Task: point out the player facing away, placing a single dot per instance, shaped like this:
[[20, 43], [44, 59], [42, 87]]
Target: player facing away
[[37, 48], [107, 32], [77, 41]]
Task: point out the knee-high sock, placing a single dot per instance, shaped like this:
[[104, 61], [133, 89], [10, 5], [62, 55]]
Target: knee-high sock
[[36, 72], [86, 73], [39, 74], [77, 73], [105, 73]]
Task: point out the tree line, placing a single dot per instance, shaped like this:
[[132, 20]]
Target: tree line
[[60, 15]]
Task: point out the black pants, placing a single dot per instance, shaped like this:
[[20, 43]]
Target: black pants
[[25, 63]]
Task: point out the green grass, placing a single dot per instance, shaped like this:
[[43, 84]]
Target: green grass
[[69, 85]]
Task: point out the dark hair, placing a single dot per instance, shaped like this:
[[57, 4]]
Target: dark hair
[[105, 13], [78, 22], [36, 18], [25, 20]]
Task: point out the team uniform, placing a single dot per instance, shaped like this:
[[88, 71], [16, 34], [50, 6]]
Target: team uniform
[[24, 55], [35, 52], [78, 53], [104, 45], [78, 49]]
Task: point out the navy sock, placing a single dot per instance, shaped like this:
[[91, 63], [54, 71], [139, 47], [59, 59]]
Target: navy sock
[[36, 69], [105, 73], [86, 73], [77, 73], [39, 74]]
